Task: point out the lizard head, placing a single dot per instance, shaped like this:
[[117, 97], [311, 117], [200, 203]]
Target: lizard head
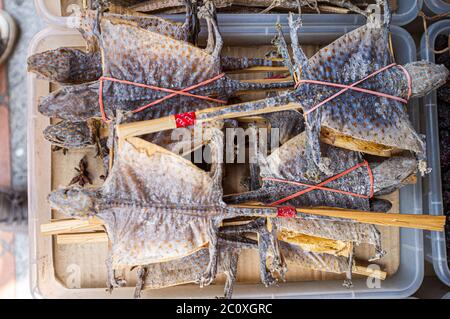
[[73, 201], [53, 64], [73, 102], [426, 77], [70, 134]]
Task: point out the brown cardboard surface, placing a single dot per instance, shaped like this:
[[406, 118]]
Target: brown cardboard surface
[[82, 265]]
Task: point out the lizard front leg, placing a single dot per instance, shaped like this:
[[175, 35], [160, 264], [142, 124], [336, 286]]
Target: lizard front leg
[[280, 42]]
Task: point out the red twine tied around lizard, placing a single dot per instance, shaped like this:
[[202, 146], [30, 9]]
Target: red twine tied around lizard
[[185, 119], [322, 184], [286, 212], [172, 94], [354, 87]]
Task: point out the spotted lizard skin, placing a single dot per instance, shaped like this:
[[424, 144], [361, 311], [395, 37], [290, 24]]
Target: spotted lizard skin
[[179, 31], [361, 116], [72, 66], [151, 59], [289, 162]]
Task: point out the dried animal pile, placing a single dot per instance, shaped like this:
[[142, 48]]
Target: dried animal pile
[[167, 217]]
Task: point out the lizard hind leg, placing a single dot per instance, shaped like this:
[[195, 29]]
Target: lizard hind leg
[[142, 273], [113, 281], [211, 271], [348, 274], [230, 263], [208, 12]]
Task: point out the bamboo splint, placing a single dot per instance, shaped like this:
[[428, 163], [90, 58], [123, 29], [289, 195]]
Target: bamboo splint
[[72, 225], [259, 69], [425, 222], [328, 136], [332, 137], [127, 130]]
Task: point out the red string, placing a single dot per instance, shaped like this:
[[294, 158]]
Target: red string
[[185, 119], [174, 93], [353, 87], [286, 212], [321, 185]]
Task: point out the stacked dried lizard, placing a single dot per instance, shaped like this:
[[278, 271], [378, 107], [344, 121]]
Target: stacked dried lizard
[[150, 221], [166, 217], [144, 69], [353, 89], [252, 6]]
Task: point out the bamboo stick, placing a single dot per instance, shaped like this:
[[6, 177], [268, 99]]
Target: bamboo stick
[[82, 238], [337, 139], [127, 130], [367, 272], [259, 69], [424, 222], [71, 225]]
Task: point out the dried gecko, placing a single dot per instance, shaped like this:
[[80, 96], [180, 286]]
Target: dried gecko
[[174, 64], [289, 163], [158, 5], [149, 220], [186, 31], [72, 66], [355, 114]]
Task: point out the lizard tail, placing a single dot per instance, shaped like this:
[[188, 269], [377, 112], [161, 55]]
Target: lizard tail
[[268, 86], [234, 63], [242, 198]]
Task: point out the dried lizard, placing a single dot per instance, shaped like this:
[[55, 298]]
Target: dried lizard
[[72, 66], [170, 220], [186, 31], [175, 65], [289, 163], [158, 5], [355, 114]]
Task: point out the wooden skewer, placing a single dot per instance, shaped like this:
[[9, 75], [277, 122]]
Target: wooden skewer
[[425, 222], [367, 272], [127, 130], [82, 238], [71, 225], [337, 139], [259, 69]]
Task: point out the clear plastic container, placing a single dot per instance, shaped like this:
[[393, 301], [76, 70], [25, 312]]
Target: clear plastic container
[[432, 196], [45, 284], [437, 6], [52, 13]]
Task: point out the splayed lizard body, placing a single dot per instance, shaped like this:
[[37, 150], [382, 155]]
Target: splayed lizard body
[[355, 114], [151, 59], [72, 66], [149, 220], [288, 163]]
